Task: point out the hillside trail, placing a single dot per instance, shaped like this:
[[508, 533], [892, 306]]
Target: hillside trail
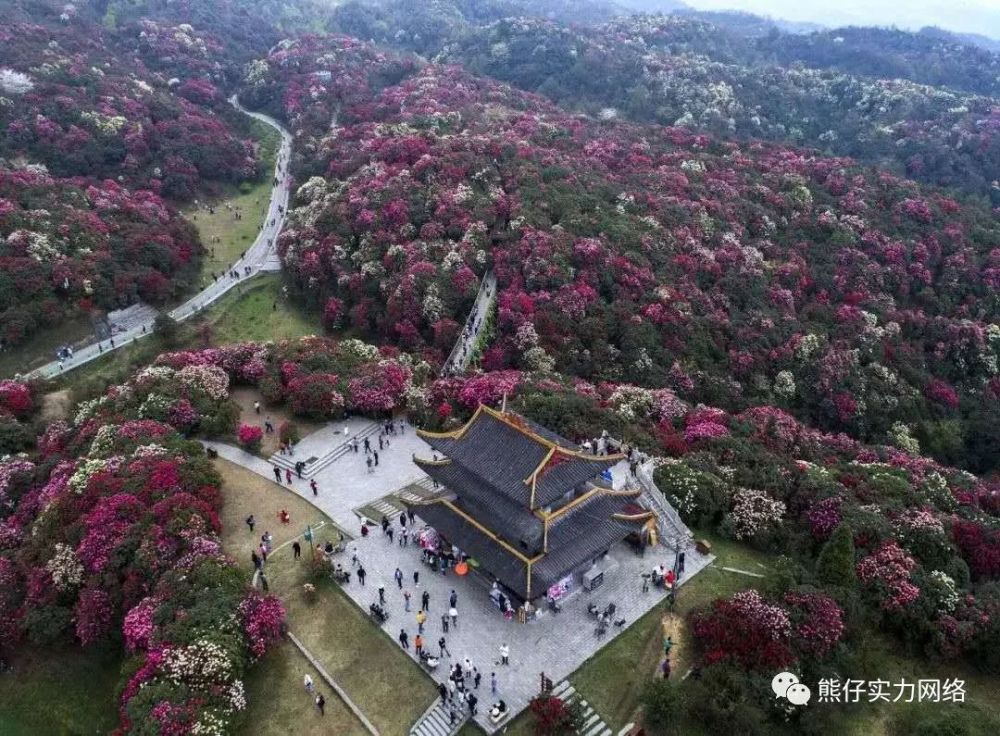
[[260, 256]]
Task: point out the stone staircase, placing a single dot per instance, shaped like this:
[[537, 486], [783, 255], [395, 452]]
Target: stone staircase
[[435, 721], [672, 530], [315, 464], [593, 724]]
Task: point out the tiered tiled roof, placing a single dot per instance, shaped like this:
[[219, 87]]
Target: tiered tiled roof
[[523, 503]]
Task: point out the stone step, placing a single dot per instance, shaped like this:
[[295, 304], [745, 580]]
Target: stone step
[[625, 731], [314, 467], [435, 722]]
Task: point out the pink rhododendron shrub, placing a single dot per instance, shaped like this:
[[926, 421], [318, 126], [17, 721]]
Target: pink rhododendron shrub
[[980, 547], [137, 626], [744, 629], [94, 616], [249, 436], [887, 572], [817, 622], [263, 619], [380, 387], [16, 399], [316, 395]]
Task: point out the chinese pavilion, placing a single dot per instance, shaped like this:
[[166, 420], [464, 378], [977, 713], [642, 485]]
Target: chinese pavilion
[[523, 502]]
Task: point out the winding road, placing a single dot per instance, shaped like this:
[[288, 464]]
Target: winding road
[[261, 256]]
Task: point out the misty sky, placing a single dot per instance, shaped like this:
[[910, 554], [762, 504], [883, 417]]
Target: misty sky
[[975, 16]]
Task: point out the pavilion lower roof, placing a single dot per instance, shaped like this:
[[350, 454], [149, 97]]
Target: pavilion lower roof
[[497, 511], [509, 454], [590, 527]]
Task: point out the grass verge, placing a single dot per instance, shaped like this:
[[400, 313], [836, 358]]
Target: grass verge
[[388, 686], [60, 692]]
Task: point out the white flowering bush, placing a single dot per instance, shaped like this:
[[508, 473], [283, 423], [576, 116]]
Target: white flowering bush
[[752, 513], [200, 666], [214, 381], [901, 436], [942, 590], [65, 568]]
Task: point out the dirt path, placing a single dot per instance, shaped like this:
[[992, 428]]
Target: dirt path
[[675, 627], [246, 396], [56, 405]]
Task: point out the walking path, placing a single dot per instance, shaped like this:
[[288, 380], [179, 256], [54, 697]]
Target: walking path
[[461, 354], [341, 693], [553, 643], [261, 256]]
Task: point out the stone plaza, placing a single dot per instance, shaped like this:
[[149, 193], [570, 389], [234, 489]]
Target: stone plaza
[[555, 644]]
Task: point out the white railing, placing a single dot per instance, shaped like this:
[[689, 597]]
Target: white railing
[[461, 353]]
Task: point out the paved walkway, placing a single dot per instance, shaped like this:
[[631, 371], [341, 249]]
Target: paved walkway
[[556, 644], [259, 257], [461, 354]]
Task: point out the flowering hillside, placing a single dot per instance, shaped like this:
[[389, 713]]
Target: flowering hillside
[[913, 542], [110, 532], [679, 71], [70, 101], [734, 274], [68, 246]]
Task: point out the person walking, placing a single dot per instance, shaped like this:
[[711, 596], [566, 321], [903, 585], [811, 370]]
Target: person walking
[[443, 647], [476, 677], [418, 644], [368, 462], [250, 522], [493, 683], [504, 654], [472, 701], [416, 577], [381, 595], [288, 476], [314, 486], [256, 407], [321, 704], [296, 550], [402, 519], [421, 619], [404, 535], [399, 578], [453, 613], [406, 601], [404, 639], [375, 454], [444, 622], [389, 532], [361, 575], [307, 682], [425, 600], [453, 599], [277, 474], [368, 446], [255, 559], [443, 692]]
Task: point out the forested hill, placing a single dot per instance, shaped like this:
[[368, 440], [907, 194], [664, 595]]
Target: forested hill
[[920, 107]]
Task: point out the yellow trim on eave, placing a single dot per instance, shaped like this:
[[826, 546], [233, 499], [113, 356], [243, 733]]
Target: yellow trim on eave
[[546, 442], [538, 468], [633, 492], [420, 460], [644, 516], [489, 532], [455, 433], [568, 507]]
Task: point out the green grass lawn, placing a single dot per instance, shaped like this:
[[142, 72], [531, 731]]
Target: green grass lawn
[[235, 236], [60, 692], [386, 684], [41, 347], [257, 310]]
